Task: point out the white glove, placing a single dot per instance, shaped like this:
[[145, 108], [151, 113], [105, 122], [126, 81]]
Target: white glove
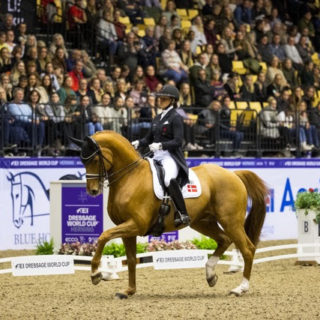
[[155, 146], [135, 144]]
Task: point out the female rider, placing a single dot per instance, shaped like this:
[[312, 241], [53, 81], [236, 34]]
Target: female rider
[[165, 140]]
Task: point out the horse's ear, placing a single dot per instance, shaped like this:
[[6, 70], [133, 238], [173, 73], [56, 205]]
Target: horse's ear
[[91, 142], [76, 141]]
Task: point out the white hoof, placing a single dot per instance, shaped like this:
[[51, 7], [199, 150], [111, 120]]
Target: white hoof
[[242, 289]]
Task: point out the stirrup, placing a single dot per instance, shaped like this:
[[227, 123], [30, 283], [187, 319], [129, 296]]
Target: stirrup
[[181, 219]]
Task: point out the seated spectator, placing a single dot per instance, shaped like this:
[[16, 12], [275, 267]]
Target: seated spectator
[[77, 19], [8, 23], [290, 73], [275, 88], [170, 10], [56, 116], [309, 97], [103, 111], [185, 100], [119, 27], [232, 86], [210, 32], [214, 65], [17, 54], [201, 63], [306, 22], [66, 90], [207, 121], [284, 101], [5, 60], [95, 92], [45, 89], [264, 49], [305, 51], [218, 86], [58, 42], [44, 59], [225, 61], [138, 93], [165, 39], [276, 48], [314, 118], [83, 89], [228, 130], [128, 52], [109, 88], [269, 124], [260, 87], [31, 58], [23, 84], [150, 79], [18, 70], [273, 70], [185, 54], [309, 129], [204, 92], [228, 43], [295, 98], [59, 60], [306, 75], [118, 116], [247, 91], [107, 36], [3, 38], [243, 13], [148, 55], [293, 54], [50, 72], [138, 74], [76, 74], [197, 27], [160, 27], [173, 67], [121, 89]]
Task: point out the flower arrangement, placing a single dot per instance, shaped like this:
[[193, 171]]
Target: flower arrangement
[[309, 200]]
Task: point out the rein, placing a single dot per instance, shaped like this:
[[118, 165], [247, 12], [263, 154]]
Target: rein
[[103, 173]]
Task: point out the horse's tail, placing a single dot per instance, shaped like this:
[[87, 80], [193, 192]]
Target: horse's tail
[[257, 191]]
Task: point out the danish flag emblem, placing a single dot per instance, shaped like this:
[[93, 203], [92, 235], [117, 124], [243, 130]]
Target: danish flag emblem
[[192, 188]]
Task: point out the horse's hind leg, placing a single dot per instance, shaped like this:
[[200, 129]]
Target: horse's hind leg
[[126, 229], [211, 229], [247, 249]]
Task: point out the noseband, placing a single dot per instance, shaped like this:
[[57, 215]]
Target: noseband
[[103, 173]]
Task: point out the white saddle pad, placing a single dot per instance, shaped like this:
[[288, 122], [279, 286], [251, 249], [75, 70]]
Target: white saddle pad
[[190, 190]]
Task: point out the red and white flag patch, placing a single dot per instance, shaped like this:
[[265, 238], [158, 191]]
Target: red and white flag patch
[[192, 188]]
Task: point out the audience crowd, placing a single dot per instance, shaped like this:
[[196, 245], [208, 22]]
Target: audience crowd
[[244, 68]]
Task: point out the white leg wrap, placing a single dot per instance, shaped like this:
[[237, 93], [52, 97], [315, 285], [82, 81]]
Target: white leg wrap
[[210, 266], [244, 287]]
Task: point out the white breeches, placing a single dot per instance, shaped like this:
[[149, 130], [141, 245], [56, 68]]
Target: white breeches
[[169, 165]]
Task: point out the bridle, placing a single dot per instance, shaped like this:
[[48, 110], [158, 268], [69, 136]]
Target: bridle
[[103, 173]]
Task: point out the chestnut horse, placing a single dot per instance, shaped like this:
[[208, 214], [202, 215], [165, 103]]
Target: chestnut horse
[[133, 206]]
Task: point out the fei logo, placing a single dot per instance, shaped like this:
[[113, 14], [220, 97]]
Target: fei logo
[[83, 210]]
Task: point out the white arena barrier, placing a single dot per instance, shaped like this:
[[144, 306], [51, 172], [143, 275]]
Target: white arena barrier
[[110, 266]]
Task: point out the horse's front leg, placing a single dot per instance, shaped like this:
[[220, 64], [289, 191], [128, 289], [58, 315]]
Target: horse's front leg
[[126, 229], [131, 250]]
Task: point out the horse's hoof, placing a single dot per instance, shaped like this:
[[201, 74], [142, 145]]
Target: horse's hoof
[[121, 296], [237, 292], [96, 278], [212, 280]]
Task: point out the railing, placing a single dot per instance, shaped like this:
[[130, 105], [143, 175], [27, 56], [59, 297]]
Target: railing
[[242, 132]]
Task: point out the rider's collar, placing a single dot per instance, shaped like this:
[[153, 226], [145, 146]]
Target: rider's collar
[[166, 110]]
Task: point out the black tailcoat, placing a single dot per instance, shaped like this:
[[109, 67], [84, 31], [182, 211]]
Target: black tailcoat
[[169, 131]]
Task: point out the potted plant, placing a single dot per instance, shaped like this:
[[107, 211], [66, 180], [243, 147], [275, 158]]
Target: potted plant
[[308, 213], [309, 201]]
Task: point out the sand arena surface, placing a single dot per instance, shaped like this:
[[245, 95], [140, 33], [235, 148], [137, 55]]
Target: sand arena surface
[[279, 290]]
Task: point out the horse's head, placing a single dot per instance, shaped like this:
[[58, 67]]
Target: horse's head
[[97, 163]]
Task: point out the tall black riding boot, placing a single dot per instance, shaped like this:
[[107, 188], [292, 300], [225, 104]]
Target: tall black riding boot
[[181, 215]]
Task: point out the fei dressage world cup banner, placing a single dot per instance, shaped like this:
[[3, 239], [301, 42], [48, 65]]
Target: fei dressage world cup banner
[[24, 194]]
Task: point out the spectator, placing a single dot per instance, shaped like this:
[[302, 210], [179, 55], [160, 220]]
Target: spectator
[[314, 117], [264, 49], [309, 97], [50, 72], [107, 36], [59, 60], [289, 73], [228, 42], [121, 89], [185, 100], [6, 85], [77, 19], [200, 64], [58, 42], [23, 84], [43, 59], [173, 67], [306, 22], [284, 101], [197, 27], [214, 65], [276, 86], [66, 90], [160, 27], [232, 86], [16, 54], [228, 129], [109, 88], [150, 79], [293, 53], [95, 92], [119, 27], [170, 10], [150, 48], [76, 74], [306, 75], [210, 32], [243, 13], [10, 40], [247, 91], [165, 39], [225, 61], [46, 89], [118, 115], [260, 87], [273, 70], [138, 74], [5, 60], [83, 89], [88, 118], [204, 92], [218, 86], [304, 50], [186, 54], [276, 48], [207, 121], [138, 94], [103, 111]]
